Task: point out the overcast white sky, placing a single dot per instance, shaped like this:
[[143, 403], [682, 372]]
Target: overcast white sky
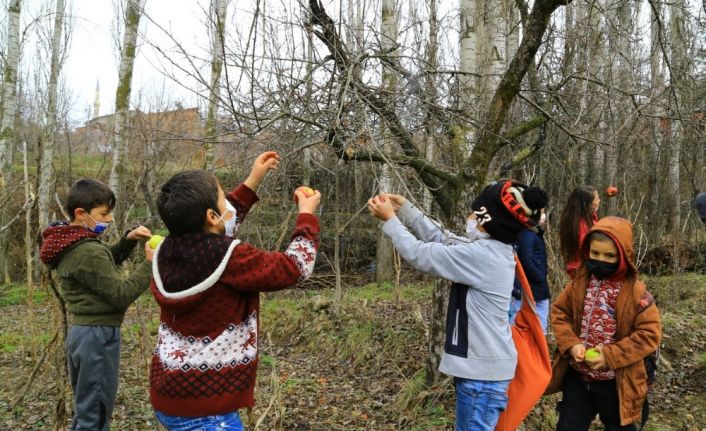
[[93, 57], [93, 54]]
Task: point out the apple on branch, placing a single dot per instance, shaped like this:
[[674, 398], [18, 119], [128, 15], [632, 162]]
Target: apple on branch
[[611, 191]]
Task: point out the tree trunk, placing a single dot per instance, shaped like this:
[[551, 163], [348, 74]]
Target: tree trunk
[[7, 123], [431, 94], [118, 171], [47, 174], [218, 23], [678, 76], [660, 118], [384, 259]]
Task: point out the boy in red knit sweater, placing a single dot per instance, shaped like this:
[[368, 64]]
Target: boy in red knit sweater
[[207, 285]]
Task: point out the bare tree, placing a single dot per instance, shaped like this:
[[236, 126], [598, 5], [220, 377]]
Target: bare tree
[[218, 28], [389, 18], [133, 13], [46, 170], [7, 123]]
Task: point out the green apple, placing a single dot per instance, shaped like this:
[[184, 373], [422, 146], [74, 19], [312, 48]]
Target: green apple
[[155, 241], [592, 354]]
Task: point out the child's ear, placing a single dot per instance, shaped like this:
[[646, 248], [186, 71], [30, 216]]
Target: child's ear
[[78, 213], [210, 219]]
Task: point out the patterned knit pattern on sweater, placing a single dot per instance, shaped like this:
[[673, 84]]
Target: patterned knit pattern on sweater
[[598, 322], [205, 362]]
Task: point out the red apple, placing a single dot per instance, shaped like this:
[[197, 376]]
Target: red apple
[[308, 191], [611, 191]]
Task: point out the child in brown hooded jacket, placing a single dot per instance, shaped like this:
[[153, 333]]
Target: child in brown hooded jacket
[[605, 307]]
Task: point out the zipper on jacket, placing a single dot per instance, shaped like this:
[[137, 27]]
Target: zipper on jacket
[[454, 338]]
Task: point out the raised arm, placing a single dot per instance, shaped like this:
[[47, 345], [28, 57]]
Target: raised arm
[[252, 269]]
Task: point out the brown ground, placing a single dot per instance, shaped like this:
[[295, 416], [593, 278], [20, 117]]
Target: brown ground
[[358, 369]]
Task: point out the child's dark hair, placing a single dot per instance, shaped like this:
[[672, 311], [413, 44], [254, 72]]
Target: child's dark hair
[[577, 207], [87, 194], [184, 199]]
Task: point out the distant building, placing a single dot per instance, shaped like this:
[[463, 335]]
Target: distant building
[[178, 133]]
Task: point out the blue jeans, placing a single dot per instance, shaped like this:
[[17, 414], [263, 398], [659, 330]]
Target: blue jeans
[[227, 422], [479, 403], [542, 310]]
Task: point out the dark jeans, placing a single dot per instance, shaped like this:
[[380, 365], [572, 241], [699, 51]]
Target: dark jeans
[[581, 401], [93, 353]]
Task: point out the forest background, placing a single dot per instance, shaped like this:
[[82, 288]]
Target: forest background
[[429, 98]]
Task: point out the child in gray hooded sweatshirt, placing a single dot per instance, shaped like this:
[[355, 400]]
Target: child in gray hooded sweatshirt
[[479, 351]]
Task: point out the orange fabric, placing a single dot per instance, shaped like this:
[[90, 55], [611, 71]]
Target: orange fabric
[[534, 368]]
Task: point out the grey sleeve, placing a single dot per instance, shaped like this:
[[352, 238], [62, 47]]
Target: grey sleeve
[[425, 228], [460, 263]]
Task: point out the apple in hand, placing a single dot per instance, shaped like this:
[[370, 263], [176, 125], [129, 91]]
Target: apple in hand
[[591, 354], [611, 191], [308, 191], [155, 241]]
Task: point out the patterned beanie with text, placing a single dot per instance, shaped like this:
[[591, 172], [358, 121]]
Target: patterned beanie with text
[[506, 207]]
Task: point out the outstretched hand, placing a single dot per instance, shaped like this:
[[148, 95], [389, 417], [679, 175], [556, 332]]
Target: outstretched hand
[[264, 163], [382, 207], [396, 200], [138, 233], [307, 203]]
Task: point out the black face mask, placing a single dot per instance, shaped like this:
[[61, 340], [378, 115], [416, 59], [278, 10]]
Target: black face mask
[[601, 269]]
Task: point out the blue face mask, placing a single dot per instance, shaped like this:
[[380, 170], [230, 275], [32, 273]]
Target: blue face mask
[[99, 228]]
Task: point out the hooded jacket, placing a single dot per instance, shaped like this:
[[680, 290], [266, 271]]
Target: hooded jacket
[[638, 332], [479, 343], [95, 289], [207, 287]]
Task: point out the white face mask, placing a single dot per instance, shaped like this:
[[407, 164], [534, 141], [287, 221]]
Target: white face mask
[[542, 219], [229, 224], [472, 231]]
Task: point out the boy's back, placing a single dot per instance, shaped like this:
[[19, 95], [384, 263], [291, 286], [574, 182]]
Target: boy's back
[[207, 285]]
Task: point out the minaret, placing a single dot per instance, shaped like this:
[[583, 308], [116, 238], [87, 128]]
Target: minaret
[[97, 102]]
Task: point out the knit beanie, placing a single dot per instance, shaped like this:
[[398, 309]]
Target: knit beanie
[[506, 207]]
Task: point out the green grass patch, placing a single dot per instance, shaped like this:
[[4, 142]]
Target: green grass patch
[[386, 292], [10, 343], [13, 294]]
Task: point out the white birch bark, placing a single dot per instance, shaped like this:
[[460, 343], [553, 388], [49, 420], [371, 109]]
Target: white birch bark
[[431, 93], [468, 54], [47, 174], [133, 13], [8, 111], [679, 71], [658, 103], [385, 270], [218, 29]]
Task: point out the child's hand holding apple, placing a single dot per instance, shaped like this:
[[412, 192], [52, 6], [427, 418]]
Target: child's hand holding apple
[[594, 358], [264, 163], [307, 199], [381, 207]]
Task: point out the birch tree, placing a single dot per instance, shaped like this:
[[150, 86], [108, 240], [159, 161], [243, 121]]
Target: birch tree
[[7, 123], [218, 28], [656, 97], [679, 70], [133, 13], [385, 269], [47, 174]]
